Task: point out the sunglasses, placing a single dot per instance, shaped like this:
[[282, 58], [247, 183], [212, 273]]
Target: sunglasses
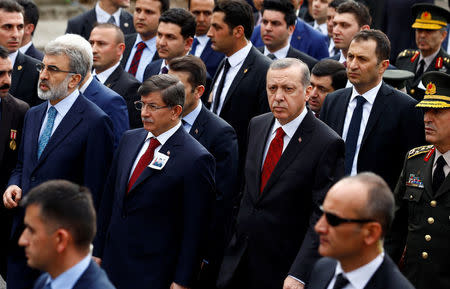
[[334, 220]]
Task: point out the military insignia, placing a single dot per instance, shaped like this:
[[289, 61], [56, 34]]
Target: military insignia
[[425, 15], [19, 67], [429, 154], [196, 131], [414, 181], [168, 153], [299, 139], [245, 70], [13, 136], [416, 54], [126, 24], [439, 62], [431, 88], [420, 150]]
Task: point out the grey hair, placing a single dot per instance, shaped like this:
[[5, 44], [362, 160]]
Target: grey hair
[[288, 62], [171, 88], [78, 50]]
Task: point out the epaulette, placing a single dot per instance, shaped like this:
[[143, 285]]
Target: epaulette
[[419, 150], [407, 53]]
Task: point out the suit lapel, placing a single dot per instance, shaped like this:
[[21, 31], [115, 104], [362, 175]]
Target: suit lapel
[[206, 51], [378, 107], [298, 141], [199, 124], [341, 106], [92, 90], [427, 178], [129, 43], [5, 124], [17, 71], [114, 77], [38, 118]]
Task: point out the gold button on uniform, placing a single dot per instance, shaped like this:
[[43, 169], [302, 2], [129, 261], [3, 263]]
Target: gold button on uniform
[[433, 203], [424, 255], [411, 197], [430, 220], [427, 238], [412, 91]]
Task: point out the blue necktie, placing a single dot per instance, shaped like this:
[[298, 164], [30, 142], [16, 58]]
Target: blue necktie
[[194, 46], [47, 133], [352, 134]]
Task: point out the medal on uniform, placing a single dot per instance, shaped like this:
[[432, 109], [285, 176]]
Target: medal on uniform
[[414, 181], [12, 136]]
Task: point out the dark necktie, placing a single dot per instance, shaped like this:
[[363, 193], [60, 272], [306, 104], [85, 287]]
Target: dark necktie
[[352, 134], [438, 175], [194, 46], [112, 20], [271, 56], [136, 58], [164, 70], [143, 162], [341, 281], [420, 70], [272, 157], [220, 86]]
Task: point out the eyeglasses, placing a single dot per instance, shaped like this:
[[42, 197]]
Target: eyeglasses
[[334, 220], [140, 105], [50, 68]]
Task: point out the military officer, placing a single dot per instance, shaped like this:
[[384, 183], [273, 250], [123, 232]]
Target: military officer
[[430, 29], [421, 228]]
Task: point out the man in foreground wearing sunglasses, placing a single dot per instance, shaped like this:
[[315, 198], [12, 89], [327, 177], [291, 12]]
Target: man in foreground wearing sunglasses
[[357, 213]]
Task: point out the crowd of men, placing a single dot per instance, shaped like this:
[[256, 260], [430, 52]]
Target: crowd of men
[[274, 144]]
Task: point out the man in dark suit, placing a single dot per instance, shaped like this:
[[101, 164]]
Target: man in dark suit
[[430, 33], [304, 38], [105, 11], [66, 137], [107, 42], [292, 161], [59, 229], [219, 138], [201, 46], [176, 30], [357, 213], [24, 76], [12, 113], [31, 18], [277, 25], [241, 73], [158, 199], [140, 47], [422, 195], [378, 123]]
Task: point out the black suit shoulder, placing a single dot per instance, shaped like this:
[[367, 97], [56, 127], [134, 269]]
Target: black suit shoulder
[[35, 53], [24, 79]]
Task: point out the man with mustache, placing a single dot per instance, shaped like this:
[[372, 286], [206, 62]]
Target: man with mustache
[[430, 24], [12, 112], [292, 161], [420, 228], [66, 137]]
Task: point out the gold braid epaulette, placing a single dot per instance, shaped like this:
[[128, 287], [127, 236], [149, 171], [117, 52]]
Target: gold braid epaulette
[[419, 150], [407, 52]]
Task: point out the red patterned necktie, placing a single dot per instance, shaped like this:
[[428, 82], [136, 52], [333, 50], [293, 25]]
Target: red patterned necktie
[[136, 58], [143, 162], [272, 157]]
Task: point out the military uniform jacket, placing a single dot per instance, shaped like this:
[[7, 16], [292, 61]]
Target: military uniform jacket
[[422, 223], [409, 60]]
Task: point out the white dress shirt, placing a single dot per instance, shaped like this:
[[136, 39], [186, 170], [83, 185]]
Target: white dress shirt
[[62, 108], [358, 278], [321, 27], [103, 16], [162, 138], [190, 118], [331, 47], [86, 84], [24, 48], [69, 278], [427, 59], [103, 76], [146, 57], [447, 160], [13, 56], [202, 41], [236, 60], [367, 107], [279, 54]]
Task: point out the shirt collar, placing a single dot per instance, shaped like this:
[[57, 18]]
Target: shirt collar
[[323, 26], [12, 56], [429, 58], [291, 127], [240, 55], [103, 16], [24, 48], [361, 276], [280, 53], [71, 276], [151, 43], [65, 104], [86, 84], [162, 138], [369, 95], [202, 39], [192, 116], [341, 56], [103, 76], [446, 156]]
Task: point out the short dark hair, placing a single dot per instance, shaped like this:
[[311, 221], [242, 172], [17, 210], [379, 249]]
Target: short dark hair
[[282, 6], [383, 49], [359, 10], [11, 6], [380, 200], [194, 66], [335, 3], [334, 69], [31, 15], [165, 5], [237, 12], [120, 38], [4, 53], [67, 205], [182, 18], [171, 88]]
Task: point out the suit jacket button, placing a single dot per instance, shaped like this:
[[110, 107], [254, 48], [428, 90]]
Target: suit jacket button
[[427, 238], [430, 220], [433, 203], [424, 255]]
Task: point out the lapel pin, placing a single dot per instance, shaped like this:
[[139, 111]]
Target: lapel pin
[[299, 139], [19, 67], [245, 70], [168, 153], [298, 37], [126, 24], [196, 131], [109, 85]]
